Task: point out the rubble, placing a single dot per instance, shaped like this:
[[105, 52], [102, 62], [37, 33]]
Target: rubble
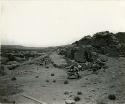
[[73, 72], [93, 62], [70, 102]]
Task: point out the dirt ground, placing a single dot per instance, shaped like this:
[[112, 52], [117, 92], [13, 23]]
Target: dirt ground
[[40, 83]]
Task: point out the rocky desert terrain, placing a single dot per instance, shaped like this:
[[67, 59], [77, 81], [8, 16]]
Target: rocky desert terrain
[[39, 75]]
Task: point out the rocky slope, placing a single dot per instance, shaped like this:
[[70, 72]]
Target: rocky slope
[[106, 43], [42, 75]]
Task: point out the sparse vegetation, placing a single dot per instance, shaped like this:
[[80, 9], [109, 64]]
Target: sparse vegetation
[[13, 78], [66, 93], [47, 67], [47, 80], [66, 82], [24, 67], [77, 98], [79, 93], [54, 81], [112, 97], [101, 102], [36, 76], [52, 74]]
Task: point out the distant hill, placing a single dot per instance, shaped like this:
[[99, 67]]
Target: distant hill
[[19, 47], [12, 47]]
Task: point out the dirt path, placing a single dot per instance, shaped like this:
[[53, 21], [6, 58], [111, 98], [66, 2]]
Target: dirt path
[[58, 60]]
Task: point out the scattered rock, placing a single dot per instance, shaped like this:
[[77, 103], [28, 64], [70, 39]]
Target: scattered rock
[[103, 58], [70, 102]]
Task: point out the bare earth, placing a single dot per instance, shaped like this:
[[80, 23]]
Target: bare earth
[[37, 82]]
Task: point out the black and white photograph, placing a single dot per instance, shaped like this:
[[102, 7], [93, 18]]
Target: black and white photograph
[[62, 52]]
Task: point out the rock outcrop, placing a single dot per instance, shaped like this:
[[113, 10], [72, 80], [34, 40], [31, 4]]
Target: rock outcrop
[[105, 43]]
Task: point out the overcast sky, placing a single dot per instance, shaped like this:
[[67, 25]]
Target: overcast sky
[[57, 22]]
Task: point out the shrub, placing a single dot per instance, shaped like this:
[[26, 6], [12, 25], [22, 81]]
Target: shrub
[[79, 93], [47, 80], [13, 78], [101, 102], [52, 74], [47, 67], [66, 82], [36, 76], [11, 57], [112, 97], [66, 92], [54, 81], [77, 98]]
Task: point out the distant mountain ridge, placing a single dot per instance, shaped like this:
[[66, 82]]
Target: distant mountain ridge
[[24, 48], [11, 46]]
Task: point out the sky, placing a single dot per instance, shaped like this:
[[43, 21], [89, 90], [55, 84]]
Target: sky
[[39, 23]]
